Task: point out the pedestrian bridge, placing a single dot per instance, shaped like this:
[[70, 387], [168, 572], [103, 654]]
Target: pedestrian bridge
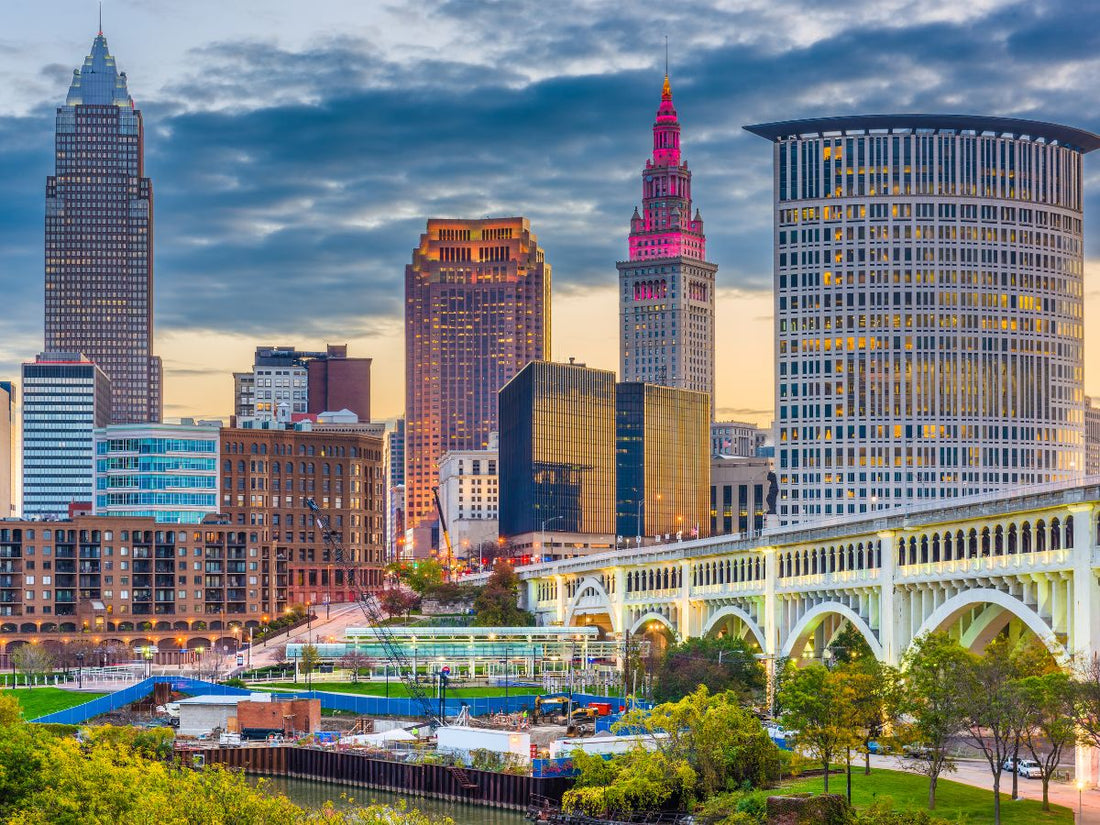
[[1023, 563]]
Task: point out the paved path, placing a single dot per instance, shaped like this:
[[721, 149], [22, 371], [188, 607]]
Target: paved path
[[972, 772]]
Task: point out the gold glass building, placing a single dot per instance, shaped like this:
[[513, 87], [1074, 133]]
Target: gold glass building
[[662, 461], [557, 450]]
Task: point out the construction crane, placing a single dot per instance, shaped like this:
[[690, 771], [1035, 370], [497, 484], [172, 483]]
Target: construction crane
[[369, 605], [445, 533]]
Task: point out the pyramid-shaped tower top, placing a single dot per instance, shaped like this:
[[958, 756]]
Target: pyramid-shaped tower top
[[98, 82], [666, 112]]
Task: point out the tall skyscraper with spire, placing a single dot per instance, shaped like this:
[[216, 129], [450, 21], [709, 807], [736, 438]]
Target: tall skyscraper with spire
[[99, 238], [666, 289]]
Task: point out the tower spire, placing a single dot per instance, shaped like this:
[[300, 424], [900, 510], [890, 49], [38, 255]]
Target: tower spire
[[101, 32]]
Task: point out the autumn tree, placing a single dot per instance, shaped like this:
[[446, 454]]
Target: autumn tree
[[398, 601], [722, 664], [354, 661], [819, 705], [497, 604], [934, 671], [308, 659]]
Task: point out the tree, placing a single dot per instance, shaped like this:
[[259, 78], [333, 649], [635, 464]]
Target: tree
[[354, 661], [819, 705], [32, 660], [994, 710], [722, 664], [935, 698], [873, 687], [695, 748], [1050, 726], [309, 659], [422, 576], [397, 601], [849, 646], [497, 605]]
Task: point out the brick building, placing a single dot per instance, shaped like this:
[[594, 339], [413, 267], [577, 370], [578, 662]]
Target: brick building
[[104, 574], [267, 475]]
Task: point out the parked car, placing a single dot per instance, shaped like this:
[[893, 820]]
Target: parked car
[[1030, 769], [1009, 765], [878, 747], [917, 751]]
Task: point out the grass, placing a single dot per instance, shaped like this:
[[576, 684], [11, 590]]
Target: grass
[[43, 700], [397, 689], [954, 800]]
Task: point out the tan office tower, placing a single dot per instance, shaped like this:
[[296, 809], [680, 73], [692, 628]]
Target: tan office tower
[[477, 309], [99, 238]]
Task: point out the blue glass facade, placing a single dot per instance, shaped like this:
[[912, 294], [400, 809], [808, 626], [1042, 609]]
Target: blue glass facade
[[167, 472]]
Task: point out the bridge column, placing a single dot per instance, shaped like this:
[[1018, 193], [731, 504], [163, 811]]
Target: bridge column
[[771, 606], [892, 647], [618, 602], [1086, 615], [559, 581], [687, 622]]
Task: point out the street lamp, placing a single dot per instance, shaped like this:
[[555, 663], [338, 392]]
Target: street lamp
[[80, 670], [1080, 800], [542, 544]]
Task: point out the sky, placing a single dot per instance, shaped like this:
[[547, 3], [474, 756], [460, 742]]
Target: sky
[[297, 150]]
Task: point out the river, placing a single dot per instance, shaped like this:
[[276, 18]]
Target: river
[[313, 795]]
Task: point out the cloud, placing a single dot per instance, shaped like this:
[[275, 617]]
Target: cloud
[[291, 184]]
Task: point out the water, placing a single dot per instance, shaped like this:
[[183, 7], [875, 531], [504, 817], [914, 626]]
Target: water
[[312, 795]]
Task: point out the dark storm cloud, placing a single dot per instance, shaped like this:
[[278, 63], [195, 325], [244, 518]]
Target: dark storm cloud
[[291, 187]]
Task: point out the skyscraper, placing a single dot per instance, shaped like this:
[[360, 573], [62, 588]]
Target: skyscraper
[[928, 308], [65, 397], [477, 309], [99, 238], [666, 289], [662, 461], [7, 443]]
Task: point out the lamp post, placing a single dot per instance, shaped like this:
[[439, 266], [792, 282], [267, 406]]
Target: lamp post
[[80, 670], [250, 647], [1080, 801], [542, 543]]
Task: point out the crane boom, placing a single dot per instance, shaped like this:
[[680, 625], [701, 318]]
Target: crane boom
[[369, 605], [446, 533]]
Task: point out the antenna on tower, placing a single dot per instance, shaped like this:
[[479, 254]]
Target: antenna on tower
[[101, 29], [666, 40]]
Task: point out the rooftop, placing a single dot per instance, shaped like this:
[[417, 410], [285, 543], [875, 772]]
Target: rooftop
[[1078, 139]]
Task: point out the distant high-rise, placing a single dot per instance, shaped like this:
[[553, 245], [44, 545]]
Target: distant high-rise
[[65, 398], [286, 382], [666, 289], [99, 238], [7, 444], [477, 309], [928, 308], [1092, 437]]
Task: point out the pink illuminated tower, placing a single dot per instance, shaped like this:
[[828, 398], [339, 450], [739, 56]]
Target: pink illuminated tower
[[666, 301]]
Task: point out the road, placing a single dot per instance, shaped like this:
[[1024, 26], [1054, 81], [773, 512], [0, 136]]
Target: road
[[976, 773], [340, 617]]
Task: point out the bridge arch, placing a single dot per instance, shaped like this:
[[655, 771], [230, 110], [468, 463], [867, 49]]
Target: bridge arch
[[737, 613], [591, 586], [653, 616], [987, 625], [805, 626]]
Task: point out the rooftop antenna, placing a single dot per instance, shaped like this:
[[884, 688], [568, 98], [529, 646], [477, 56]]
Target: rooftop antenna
[[101, 28], [666, 38]]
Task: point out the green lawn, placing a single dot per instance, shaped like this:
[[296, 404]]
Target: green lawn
[[397, 689], [954, 801], [42, 700]]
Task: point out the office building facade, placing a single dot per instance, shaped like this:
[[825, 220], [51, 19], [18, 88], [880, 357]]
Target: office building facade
[[99, 238], [101, 574], [736, 438], [557, 457], [470, 496], [666, 288], [662, 463], [266, 477], [395, 488], [1092, 437], [167, 472], [8, 427], [477, 309], [738, 495], [286, 383], [928, 308], [65, 398]]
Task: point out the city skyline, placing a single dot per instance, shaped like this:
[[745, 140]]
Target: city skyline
[[261, 217]]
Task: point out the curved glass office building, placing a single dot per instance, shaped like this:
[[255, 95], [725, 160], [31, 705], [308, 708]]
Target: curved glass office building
[[928, 306]]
